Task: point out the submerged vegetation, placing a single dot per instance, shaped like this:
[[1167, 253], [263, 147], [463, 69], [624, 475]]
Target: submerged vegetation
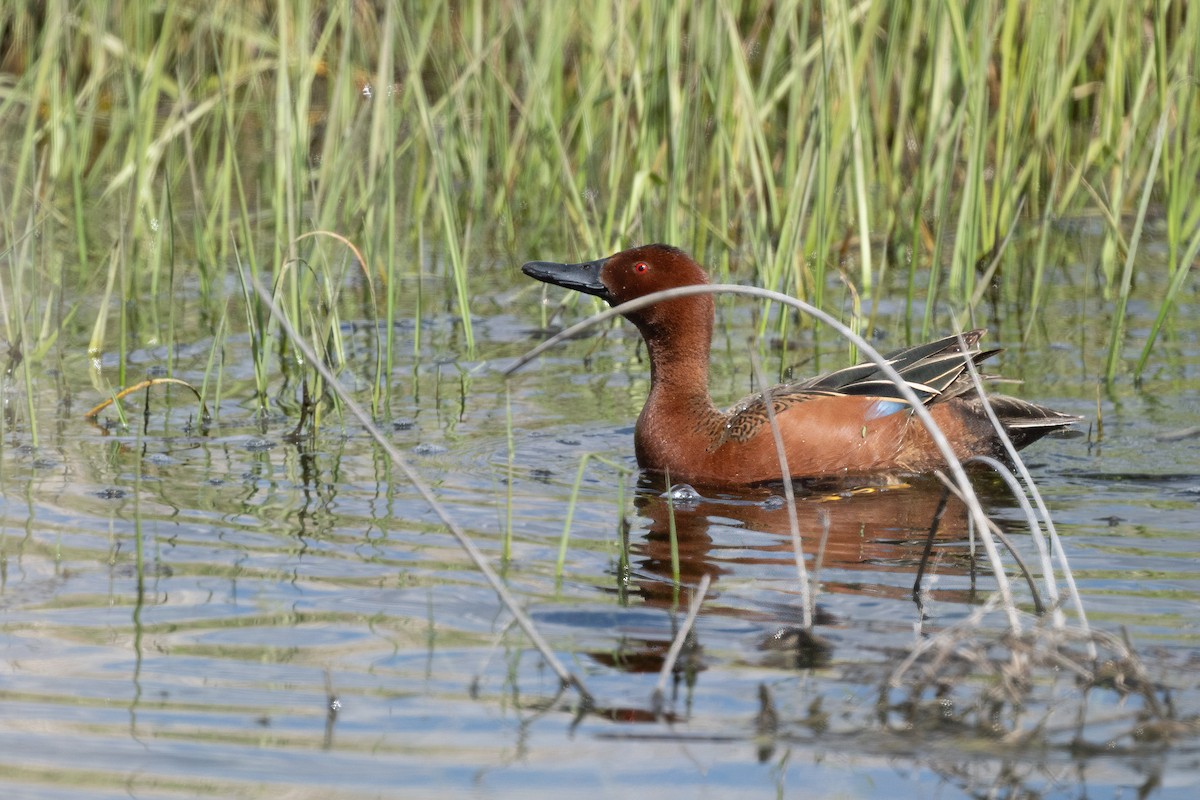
[[892, 143]]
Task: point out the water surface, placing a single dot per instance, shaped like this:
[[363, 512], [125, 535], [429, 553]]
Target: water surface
[[226, 611]]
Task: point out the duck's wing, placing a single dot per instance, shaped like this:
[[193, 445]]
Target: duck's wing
[[934, 371]]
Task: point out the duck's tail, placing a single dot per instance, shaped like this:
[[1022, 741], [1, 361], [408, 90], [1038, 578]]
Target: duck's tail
[[1026, 422]]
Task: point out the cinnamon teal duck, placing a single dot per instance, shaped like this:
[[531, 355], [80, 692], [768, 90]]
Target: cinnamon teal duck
[[851, 422]]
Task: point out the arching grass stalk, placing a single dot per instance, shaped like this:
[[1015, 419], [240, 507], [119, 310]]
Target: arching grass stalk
[[1031, 487], [789, 495], [870, 353], [657, 698], [506, 597], [321, 318], [1038, 605], [332, 326], [1039, 540]]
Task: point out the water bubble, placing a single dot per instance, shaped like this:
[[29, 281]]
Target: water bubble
[[682, 492]]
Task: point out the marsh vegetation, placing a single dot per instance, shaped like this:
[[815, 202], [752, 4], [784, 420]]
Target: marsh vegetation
[[227, 586]]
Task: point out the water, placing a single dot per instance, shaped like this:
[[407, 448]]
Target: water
[[229, 612]]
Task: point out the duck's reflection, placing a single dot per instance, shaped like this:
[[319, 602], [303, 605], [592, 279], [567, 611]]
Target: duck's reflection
[[867, 541], [844, 533]]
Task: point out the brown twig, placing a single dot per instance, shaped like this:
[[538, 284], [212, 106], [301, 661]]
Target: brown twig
[[146, 384]]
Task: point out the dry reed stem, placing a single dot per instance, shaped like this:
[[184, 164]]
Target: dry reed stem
[[477, 558], [869, 352], [677, 644]]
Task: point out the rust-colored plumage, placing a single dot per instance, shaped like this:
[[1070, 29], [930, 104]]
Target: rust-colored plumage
[[851, 422]]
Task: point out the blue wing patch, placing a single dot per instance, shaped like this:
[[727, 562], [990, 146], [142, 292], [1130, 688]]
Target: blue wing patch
[[884, 408]]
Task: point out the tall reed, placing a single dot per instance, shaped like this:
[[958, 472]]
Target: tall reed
[[776, 139]]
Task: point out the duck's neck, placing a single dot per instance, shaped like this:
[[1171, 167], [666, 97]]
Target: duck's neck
[[679, 368], [679, 407], [679, 342]]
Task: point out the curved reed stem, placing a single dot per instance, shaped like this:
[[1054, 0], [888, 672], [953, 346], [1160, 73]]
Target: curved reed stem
[[567, 677], [868, 352]]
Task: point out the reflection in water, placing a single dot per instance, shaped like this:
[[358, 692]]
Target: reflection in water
[[739, 540], [734, 538], [869, 529]]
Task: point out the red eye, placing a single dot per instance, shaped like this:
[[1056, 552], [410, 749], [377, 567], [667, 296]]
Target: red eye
[[641, 267]]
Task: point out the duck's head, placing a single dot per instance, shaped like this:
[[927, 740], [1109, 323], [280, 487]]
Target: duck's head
[[635, 273]]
